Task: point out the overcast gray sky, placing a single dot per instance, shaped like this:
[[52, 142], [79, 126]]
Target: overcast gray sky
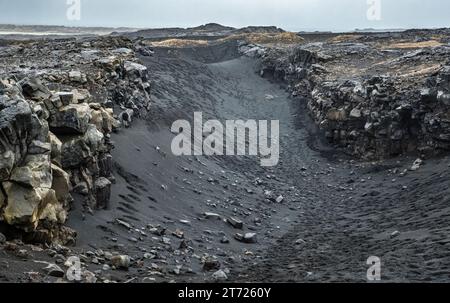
[[288, 14]]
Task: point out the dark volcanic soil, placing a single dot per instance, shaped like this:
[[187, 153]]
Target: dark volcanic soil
[[344, 211], [336, 212]]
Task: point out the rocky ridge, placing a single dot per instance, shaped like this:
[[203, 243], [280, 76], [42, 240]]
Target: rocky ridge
[[372, 97]]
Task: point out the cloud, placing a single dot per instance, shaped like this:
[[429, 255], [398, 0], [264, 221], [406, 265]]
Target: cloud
[[289, 14]]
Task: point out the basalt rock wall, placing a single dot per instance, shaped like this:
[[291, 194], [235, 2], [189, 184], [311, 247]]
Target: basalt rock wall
[[59, 103], [402, 106]]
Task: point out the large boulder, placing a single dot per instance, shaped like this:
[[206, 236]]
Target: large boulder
[[53, 212], [38, 147], [102, 118], [71, 119], [77, 77], [53, 104], [35, 172], [105, 163], [39, 129], [56, 146], [66, 98], [26, 205], [110, 63], [336, 114], [76, 150], [94, 139], [134, 70], [34, 89], [102, 192], [81, 95], [61, 184], [15, 129]]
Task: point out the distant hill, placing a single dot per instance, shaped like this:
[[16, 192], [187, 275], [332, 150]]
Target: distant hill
[[211, 30], [259, 29], [38, 29], [212, 27]]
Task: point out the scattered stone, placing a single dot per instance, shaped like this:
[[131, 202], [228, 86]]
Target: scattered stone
[[89, 277], [211, 264], [23, 253], [209, 215], [355, 113], [219, 276], [416, 165], [177, 269], [178, 233], [249, 238], [34, 89], [54, 270], [158, 231], [149, 256], [81, 188], [238, 224], [124, 224], [134, 69], [183, 245], [279, 199], [300, 242], [224, 240], [395, 234], [121, 261], [77, 76]]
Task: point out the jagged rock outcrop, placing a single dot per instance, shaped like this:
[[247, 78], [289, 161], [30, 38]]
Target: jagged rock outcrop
[[55, 126], [26, 180], [102, 192], [15, 128], [384, 116], [71, 119], [370, 114]]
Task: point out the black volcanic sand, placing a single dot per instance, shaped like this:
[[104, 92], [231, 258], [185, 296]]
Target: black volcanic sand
[[336, 212]]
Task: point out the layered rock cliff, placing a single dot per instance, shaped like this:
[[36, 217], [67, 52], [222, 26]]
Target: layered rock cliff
[[59, 103], [374, 99]]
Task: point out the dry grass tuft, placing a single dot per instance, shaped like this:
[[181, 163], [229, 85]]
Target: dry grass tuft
[[345, 38], [411, 45], [256, 38], [179, 43], [268, 38]]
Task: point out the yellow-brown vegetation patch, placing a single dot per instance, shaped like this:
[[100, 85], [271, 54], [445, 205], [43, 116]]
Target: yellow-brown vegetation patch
[[345, 38], [179, 43], [268, 38], [407, 45]]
